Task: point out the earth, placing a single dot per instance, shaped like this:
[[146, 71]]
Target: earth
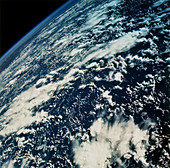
[[90, 89]]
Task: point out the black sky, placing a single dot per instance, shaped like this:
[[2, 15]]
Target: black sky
[[18, 17]]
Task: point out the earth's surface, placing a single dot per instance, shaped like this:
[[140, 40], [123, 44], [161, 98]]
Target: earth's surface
[[90, 90]]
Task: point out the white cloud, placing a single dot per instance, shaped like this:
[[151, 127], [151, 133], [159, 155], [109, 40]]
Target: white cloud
[[109, 143]]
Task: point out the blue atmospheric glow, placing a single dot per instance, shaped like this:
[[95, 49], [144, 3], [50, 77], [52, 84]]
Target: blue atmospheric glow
[[37, 28]]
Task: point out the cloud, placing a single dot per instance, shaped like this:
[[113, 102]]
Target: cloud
[[108, 143]]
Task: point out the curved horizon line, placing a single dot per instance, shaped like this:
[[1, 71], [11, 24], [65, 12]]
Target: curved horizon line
[[67, 5]]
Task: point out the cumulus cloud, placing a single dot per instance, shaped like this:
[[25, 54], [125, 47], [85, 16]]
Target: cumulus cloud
[[109, 143]]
